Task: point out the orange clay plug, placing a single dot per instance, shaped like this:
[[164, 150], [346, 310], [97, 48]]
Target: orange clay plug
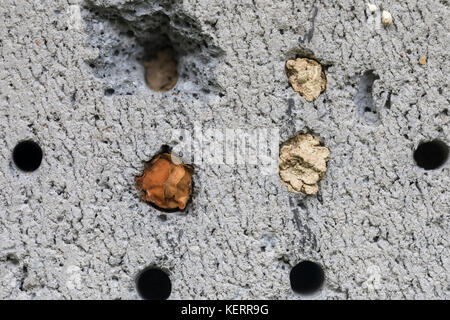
[[165, 183]]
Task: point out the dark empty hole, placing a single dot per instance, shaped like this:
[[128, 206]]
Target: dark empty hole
[[153, 284], [431, 155], [27, 155], [306, 277]]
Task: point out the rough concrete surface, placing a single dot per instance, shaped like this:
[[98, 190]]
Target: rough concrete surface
[[72, 79]]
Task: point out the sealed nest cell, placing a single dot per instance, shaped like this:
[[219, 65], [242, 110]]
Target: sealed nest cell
[[166, 183], [161, 71], [307, 77], [302, 163]]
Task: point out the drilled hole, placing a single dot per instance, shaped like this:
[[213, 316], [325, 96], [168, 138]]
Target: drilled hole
[[306, 277], [153, 284], [431, 155], [27, 155]]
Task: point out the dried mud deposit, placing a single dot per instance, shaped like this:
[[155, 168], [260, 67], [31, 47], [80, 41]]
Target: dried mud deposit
[[166, 182], [306, 77], [303, 163]]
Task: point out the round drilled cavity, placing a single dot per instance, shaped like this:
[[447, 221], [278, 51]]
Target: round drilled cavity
[[153, 284], [27, 155], [431, 154], [307, 277]]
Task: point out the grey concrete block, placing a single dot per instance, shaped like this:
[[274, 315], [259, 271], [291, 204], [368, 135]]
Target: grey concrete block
[[76, 228]]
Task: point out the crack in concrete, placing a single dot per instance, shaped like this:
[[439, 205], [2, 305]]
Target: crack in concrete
[[309, 35]]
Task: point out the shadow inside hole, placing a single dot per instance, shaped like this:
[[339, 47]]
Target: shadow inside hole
[[307, 277], [161, 63], [431, 155], [364, 100], [153, 284], [27, 155]]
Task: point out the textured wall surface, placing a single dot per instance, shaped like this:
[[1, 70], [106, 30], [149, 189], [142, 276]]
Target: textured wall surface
[[71, 79]]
